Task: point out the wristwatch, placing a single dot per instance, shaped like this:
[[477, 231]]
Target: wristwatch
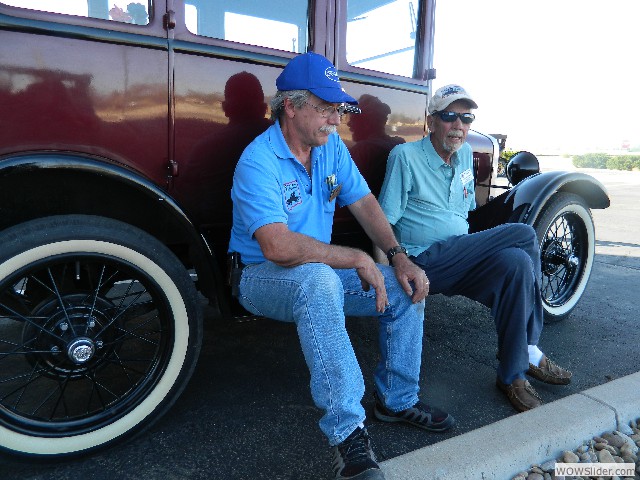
[[395, 250]]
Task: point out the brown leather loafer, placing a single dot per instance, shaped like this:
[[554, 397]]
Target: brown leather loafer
[[549, 372], [521, 394]]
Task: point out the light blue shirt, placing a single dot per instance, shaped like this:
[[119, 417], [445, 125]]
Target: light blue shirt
[[271, 186], [426, 200]]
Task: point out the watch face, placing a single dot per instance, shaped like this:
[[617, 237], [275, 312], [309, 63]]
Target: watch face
[[392, 252]]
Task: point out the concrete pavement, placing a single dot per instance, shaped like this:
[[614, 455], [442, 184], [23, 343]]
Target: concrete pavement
[[502, 449]]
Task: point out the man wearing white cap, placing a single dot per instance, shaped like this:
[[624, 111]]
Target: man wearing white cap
[[427, 194], [286, 186]]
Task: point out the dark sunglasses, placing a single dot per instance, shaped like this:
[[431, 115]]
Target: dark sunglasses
[[449, 117]]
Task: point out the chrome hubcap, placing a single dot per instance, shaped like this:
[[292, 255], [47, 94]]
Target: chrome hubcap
[[81, 350]]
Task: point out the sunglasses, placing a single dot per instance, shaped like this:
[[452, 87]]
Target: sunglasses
[[449, 117]]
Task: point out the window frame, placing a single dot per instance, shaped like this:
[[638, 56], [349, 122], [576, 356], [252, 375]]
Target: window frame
[[317, 30], [423, 70], [155, 27]]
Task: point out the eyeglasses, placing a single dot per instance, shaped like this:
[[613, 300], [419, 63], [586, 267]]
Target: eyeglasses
[[327, 111], [450, 117]]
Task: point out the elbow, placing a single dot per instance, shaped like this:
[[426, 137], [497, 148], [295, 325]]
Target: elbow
[[271, 254], [277, 255]]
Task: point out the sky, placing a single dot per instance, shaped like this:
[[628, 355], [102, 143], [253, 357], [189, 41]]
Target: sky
[[555, 76]]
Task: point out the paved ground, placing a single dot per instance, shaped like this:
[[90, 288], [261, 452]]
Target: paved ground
[[499, 450], [247, 413]]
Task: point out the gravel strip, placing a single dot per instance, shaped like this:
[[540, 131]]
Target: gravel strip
[[610, 447]]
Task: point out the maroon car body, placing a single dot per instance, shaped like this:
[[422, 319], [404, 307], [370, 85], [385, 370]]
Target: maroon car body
[[120, 127]]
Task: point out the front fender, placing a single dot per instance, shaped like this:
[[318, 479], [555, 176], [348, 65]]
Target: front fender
[[524, 202]]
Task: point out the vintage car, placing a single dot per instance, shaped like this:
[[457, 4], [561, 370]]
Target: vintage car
[[121, 123]]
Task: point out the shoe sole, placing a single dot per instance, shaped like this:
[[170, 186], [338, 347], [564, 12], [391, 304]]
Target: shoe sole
[[549, 380], [441, 427], [372, 474]]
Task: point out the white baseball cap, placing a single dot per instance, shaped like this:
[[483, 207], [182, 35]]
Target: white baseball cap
[[448, 94]]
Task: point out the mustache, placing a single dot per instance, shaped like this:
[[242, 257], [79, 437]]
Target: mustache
[[328, 129], [455, 134]]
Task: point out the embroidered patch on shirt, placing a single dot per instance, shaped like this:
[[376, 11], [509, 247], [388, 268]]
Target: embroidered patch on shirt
[[292, 195]]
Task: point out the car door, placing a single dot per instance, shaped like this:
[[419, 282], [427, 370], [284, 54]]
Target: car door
[[382, 49], [86, 78], [225, 58]]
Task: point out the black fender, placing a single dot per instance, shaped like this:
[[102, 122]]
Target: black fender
[[41, 184], [524, 202]]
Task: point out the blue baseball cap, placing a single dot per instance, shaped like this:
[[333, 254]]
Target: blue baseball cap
[[313, 72]]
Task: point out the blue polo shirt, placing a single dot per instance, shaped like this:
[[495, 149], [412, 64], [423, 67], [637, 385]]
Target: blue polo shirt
[[425, 199], [271, 186]]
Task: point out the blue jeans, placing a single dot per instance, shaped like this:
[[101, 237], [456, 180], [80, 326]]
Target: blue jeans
[[317, 298], [499, 268]]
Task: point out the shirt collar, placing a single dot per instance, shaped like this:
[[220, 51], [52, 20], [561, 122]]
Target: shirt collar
[[278, 143], [282, 150]]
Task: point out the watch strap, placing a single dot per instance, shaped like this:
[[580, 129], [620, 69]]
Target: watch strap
[[395, 250]]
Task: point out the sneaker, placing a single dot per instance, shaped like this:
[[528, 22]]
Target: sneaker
[[420, 415], [354, 459]]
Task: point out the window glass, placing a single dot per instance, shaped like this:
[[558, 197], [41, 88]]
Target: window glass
[[280, 24], [381, 35], [116, 10]]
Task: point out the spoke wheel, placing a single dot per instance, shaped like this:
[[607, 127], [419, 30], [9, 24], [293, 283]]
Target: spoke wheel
[[567, 245], [98, 335]]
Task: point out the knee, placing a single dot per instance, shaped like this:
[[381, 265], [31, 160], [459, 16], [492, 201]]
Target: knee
[[395, 293], [514, 262], [528, 243], [524, 234], [320, 279]]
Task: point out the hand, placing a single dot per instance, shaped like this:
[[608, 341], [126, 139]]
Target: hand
[[371, 276], [406, 271]]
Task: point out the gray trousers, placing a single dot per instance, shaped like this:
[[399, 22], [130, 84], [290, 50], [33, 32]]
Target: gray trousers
[[499, 268]]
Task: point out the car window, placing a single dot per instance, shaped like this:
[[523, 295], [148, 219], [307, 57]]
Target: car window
[[115, 10], [381, 35], [280, 24]]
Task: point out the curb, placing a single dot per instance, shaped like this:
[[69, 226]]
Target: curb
[[500, 450]]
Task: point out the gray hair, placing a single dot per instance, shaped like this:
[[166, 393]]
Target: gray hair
[[297, 97]]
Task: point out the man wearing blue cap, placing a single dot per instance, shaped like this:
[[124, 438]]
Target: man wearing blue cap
[[285, 190]]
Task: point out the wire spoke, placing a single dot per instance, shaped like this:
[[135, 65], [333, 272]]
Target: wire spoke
[[77, 339]]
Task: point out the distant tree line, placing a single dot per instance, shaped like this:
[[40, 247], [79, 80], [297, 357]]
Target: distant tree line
[[603, 160]]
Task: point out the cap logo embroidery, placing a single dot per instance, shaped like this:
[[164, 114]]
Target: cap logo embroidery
[[331, 74], [451, 91]]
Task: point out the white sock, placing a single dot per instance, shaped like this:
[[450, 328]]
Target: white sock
[[535, 355]]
